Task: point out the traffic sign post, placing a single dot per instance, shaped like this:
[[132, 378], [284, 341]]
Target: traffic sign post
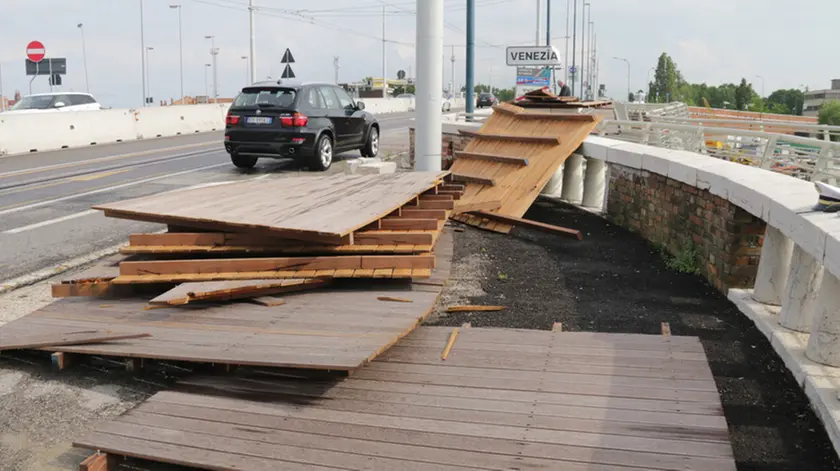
[[35, 51], [287, 59]]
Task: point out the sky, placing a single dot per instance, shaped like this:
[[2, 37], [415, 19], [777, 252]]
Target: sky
[[788, 43]]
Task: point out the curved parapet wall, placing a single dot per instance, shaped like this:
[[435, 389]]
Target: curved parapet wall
[[755, 236]]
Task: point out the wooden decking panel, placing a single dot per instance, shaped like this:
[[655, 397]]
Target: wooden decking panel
[[517, 186], [325, 208], [418, 412]]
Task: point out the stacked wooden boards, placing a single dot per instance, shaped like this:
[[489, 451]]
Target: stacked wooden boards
[[339, 226], [337, 327], [545, 98], [512, 157], [502, 399]]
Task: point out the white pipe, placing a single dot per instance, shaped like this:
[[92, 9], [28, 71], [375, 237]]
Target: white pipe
[[429, 85]]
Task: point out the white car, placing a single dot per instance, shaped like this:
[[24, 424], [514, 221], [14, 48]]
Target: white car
[[446, 104], [55, 102]]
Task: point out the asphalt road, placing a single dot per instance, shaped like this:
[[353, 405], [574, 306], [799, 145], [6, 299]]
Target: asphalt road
[[46, 198]]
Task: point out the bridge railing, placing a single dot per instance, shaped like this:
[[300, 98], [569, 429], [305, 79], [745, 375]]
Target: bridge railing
[[644, 111], [801, 157], [815, 131]]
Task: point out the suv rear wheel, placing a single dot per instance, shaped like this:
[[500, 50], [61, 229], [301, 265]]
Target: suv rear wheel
[[371, 147], [243, 161], [323, 155]]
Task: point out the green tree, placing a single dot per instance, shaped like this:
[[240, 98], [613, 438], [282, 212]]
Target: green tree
[[399, 90], [743, 95], [830, 113], [786, 99], [667, 82]]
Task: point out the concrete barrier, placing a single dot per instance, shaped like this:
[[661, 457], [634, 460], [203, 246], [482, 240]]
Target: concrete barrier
[[22, 133]]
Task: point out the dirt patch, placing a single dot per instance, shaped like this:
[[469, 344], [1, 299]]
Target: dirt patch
[[613, 281]]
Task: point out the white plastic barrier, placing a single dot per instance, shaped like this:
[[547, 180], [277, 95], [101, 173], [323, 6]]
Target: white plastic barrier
[[20, 133]]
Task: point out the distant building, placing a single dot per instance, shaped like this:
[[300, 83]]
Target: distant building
[[814, 99]]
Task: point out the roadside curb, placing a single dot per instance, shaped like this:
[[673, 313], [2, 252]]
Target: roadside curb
[[46, 273]]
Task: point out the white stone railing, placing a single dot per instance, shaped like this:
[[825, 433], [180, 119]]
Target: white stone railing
[[805, 158], [796, 298], [643, 111]]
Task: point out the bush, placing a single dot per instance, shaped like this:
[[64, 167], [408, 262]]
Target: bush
[[685, 261]]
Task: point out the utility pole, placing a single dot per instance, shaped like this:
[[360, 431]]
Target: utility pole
[[539, 22], [214, 53], [2, 98], [335, 65], [574, 47], [452, 91], [566, 56], [180, 48], [429, 85], [148, 70], [84, 56], [548, 40], [470, 77], [142, 54], [253, 46], [384, 52], [583, 51], [206, 88]]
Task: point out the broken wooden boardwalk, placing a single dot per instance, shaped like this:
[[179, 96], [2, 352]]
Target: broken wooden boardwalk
[[502, 399]]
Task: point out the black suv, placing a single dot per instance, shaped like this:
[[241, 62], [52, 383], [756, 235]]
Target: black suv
[[309, 122], [486, 99]]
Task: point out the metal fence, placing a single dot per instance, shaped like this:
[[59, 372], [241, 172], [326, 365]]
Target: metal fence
[[801, 157]]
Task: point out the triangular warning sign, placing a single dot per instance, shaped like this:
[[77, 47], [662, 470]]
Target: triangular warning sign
[[288, 58], [287, 72]]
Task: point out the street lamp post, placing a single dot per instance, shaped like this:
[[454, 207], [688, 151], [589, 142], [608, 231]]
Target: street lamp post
[[148, 70], [583, 49], [84, 56], [762, 96], [206, 88], [628, 75], [214, 53], [142, 54], [247, 70], [180, 48]]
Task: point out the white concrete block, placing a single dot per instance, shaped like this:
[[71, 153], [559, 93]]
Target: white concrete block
[[822, 392], [824, 342], [773, 268], [655, 160], [376, 168], [798, 300], [628, 157], [831, 262]]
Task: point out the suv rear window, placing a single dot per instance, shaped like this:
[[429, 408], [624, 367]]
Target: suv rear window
[[278, 97]]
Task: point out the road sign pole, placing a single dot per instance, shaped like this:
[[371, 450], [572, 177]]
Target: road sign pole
[[253, 45], [470, 78], [142, 53], [49, 62], [429, 85], [384, 58], [2, 98]]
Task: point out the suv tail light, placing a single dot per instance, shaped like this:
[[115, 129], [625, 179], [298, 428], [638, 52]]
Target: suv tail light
[[296, 120], [231, 120]]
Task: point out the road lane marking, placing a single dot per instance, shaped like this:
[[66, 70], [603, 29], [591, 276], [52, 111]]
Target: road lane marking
[[49, 222], [63, 180], [102, 159], [38, 204], [96, 176]]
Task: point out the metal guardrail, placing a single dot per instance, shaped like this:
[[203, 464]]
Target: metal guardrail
[[801, 157], [817, 131]]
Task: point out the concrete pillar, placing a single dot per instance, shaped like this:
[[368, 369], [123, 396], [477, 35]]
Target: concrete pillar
[[594, 183], [803, 284], [429, 85], [773, 267], [554, 187], [573, 179], [824, 341]]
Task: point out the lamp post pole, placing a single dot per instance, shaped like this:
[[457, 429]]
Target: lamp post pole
[[180, 48], [628, 75], [84, 56]]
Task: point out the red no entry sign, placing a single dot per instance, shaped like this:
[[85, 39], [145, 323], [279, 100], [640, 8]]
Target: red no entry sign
[[35, 51]]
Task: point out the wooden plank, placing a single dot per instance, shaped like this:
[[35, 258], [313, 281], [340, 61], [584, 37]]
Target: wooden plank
[[436, 197], [80, 337], [296, 210], [550, 140], [492, 158], [535, 225], [449, 344], [62, 360], [474, 308], [268, 301], [97, 462], [395, 299], [229, 290], [410, 213], [478, 206], [456, 195], [397, 224], [380, 237], [477, 179], [91, 289], [252, 265]]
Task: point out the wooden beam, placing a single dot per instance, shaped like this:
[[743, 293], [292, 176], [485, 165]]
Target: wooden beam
[[220, 239], [269, 265], [425, 214], [504, 159], [474, 308], [436, 197], [81, 337], [97, 462], [268, 301], [66, 290], [478, 206], [414, 237], [62, 360], [186, 293], [474, 179], [535, 225], [396, 224], [456, 195], [513, 137], [432, 204], [449, 344], [452, 187]]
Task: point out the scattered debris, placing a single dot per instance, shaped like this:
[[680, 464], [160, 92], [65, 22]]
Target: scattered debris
[[81, 337], [449, 344], [268, 301], [474, 308], [393, 299]]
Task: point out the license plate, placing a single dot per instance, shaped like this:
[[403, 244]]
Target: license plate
[[258, 120]]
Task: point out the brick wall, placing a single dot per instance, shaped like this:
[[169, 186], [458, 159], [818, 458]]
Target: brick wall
[[675, 215], [451, 142]]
